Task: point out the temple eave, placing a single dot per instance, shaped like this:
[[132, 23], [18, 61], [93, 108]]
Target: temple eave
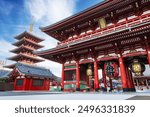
[[10, 66], [20, 36]]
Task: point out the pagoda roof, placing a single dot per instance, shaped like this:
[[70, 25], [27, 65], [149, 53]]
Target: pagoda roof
[[28, 34], [10, 66], [22, 41], [34, 71], [17, 57], [100, 9], [18, 50], [4, 74]]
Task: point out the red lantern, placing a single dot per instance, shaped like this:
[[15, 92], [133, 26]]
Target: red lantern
[[111, 69]]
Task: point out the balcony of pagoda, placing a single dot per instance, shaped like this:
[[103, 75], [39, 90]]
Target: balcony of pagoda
[[133, 22], [29, 36], [22, 49], [27, 42], [22, 56]]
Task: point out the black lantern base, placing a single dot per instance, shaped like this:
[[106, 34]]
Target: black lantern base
[[62, 89]]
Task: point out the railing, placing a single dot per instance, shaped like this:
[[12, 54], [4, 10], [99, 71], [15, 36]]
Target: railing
[[109, 29]]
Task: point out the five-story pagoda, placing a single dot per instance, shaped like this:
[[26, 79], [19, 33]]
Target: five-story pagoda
[[26, 44]]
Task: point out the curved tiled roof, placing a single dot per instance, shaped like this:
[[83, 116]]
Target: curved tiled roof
[[25, 33], [35, 71], [4, 74]]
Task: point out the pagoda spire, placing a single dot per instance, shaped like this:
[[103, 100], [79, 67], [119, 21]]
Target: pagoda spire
[[31, 25]]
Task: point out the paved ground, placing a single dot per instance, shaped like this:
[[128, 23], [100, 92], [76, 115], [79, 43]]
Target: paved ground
[[18, 93], [72, 96], [139, 98]]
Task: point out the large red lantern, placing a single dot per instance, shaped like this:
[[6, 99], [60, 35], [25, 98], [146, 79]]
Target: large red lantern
[[111, 69]]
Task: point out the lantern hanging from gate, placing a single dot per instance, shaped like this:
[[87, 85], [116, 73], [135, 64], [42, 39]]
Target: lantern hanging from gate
[[111, 69], [89, 71], [137, 67]]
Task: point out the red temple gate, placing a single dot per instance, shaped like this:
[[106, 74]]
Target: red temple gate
[[114, 30]]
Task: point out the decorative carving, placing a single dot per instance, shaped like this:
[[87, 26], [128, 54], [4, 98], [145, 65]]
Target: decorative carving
[[124, 9]]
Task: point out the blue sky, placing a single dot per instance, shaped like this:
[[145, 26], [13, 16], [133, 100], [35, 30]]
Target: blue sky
[[16, 15]]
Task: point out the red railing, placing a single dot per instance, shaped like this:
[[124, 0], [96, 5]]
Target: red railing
[[109, 29]]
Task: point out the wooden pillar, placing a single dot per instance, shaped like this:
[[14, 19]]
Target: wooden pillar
[[30, 85], [148, 54], [123, 74], [128, 77], [96, 80], [131, 81], [24, 83], [77, 76], [137, 83], [62, 77], [15, 83], [147, 84], [111, 85], [104, 79]]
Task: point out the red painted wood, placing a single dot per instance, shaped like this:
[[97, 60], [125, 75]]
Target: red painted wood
[[63, 76], [148, 53], [77, 75], [27, 85], [128, 77], [131, 79], [111, 85], [96, 80], [123, 74]]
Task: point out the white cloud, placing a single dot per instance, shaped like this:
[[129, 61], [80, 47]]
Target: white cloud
[[50, 10], [46, 12], [4, 50]]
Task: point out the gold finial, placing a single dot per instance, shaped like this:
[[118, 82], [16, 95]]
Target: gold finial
[[31, 26]]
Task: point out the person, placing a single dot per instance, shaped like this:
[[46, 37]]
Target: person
[[102, 86]]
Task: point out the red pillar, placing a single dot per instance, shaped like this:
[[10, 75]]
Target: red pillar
[[77, 76], [148, 54], [24, 84], [123, 74], [111, 85], [128, 78], [96, 80], [131, 81], [30, 85], [15, 83], [62, 77]]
